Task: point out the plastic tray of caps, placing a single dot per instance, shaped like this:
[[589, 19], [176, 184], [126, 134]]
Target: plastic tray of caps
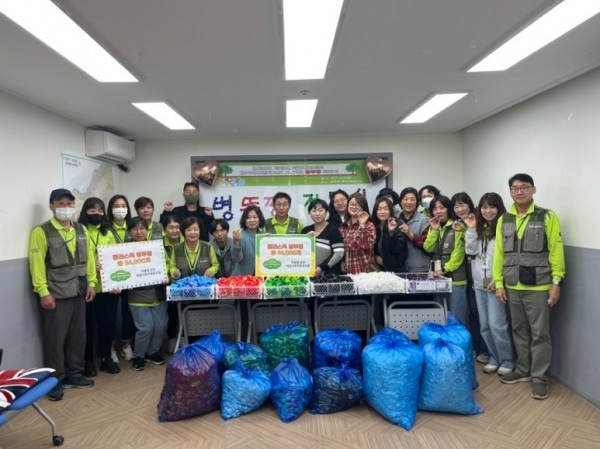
[[426, 283], [333, 285], [286, 287], [190, 293], [240, 287], [381, 282]]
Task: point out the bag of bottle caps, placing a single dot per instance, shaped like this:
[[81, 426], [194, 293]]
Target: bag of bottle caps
[[192, 385]]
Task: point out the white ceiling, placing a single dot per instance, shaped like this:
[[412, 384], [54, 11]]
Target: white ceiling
[[220, 64]]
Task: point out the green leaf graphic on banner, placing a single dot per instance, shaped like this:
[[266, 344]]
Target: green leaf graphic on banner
[[120, 276], [271, 264]]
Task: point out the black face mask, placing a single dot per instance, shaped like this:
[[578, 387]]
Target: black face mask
[[95, 219]]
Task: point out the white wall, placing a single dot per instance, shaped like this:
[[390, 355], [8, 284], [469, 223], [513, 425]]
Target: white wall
[[161, 167], [555, 137], [31, 143]]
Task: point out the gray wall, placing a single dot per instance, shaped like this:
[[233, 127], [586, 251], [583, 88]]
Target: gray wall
[[20, 326], [575, 322]]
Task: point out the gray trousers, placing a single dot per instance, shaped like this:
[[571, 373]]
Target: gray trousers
[[64, 337], [530, 316]]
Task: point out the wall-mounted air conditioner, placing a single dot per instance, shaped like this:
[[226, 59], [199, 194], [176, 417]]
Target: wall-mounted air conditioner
[[107, 147]]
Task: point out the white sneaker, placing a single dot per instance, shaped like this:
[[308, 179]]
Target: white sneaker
[[490, 368], [127, 352], [502, 371], [113, 356]]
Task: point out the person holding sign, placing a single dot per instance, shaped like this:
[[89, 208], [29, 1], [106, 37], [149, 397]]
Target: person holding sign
[[282, 223], [243, 252], [193, 256], [328, 240], [101, 314], [149, 310], [63, 274], [359, 235], [119, 213]]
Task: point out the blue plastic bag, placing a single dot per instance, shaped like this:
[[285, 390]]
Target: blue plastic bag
[[247, 355], [388, 333], [284, 340], [445, 385], [337, 347], [216, 345], [335, 389], [454, 332], [244, 391], [291, 389], [192, 385], [391, 377]]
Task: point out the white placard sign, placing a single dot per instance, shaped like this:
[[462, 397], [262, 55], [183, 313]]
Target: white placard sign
[[289, 254], [130, 265]]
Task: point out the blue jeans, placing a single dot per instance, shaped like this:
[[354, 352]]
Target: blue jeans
[[494, 329], [457, 303], [151, 325]]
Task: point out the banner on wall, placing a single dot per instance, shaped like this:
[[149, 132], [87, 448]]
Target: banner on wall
[[285, 255], [240, 184], [131, 265]]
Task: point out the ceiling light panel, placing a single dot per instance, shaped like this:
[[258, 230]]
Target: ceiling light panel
[[309, 28], [432, 107], [559, 20], [53, 27], [164, 114], [300, 113]]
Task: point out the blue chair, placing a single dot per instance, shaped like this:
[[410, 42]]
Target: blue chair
[[30, 397]]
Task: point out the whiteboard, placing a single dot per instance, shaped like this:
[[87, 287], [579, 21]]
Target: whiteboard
[[255, 180]]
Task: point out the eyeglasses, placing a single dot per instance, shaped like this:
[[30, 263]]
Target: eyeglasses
[[340, 201], [353, 205], [524, 188]]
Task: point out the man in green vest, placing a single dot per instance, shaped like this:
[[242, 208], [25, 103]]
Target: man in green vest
[[282, 223], [63, 273], [528, 269]]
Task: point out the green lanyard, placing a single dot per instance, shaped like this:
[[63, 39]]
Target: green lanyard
[[192, 263]]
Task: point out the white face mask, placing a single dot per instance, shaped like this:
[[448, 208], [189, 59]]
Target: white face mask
[[64, 213], [119, 213], [425, 202]]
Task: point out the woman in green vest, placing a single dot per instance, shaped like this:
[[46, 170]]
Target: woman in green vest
[[144, 207], [119, 213], [447, 249], [172, 237], [193, 256], [101, 314]]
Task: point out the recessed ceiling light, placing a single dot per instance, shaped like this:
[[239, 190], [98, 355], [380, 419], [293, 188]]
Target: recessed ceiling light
[[309, 28], [300, 113], [165, 114], [559, 20], [432, 107], [53, 27]]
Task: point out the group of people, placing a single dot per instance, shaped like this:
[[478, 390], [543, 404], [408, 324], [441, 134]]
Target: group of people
[[512, 257]]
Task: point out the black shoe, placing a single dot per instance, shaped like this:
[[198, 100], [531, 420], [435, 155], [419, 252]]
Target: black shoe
[[109, 366], [138, 364], [57, 393], [77, 382], [155, 358], [90, 369]]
